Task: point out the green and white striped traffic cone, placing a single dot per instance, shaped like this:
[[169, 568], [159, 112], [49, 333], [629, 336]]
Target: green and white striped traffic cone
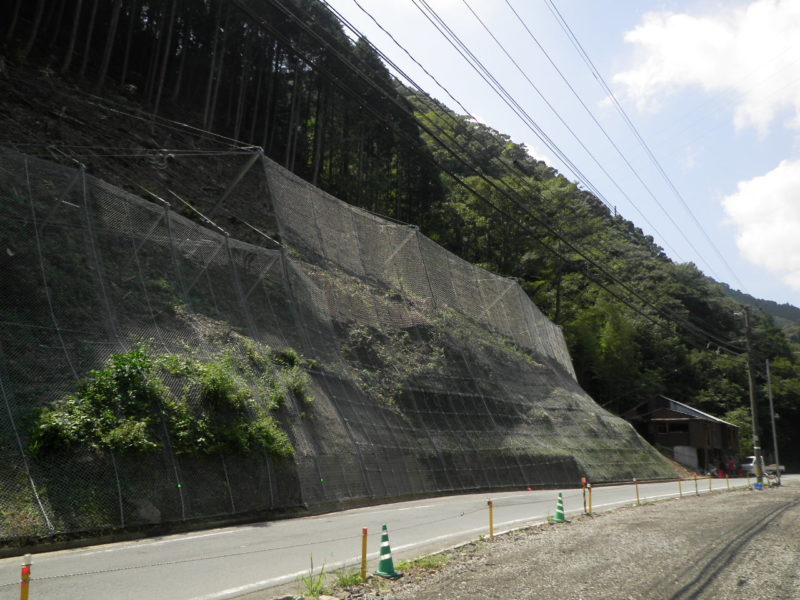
[[386, 566], [559, 518]]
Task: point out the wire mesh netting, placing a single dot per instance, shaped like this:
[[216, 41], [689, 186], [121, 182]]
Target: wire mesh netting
[[427, 373]]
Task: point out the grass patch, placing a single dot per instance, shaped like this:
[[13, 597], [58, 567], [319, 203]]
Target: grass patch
[[432, 561], [313, 584], [296, 381], [346, 578]]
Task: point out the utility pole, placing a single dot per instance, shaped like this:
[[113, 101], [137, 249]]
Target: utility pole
[[759, 471], [774, 433]]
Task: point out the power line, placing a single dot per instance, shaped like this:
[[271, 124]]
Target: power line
[[575, 135], [599, 125], [498, 88], [559, 235], [436, 106], [596, 73], [661, 311], [485, 74]]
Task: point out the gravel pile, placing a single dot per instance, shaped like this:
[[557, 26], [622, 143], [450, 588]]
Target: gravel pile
[[739, 544]]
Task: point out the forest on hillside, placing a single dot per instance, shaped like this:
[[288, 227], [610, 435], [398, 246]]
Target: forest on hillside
[[286, 76]]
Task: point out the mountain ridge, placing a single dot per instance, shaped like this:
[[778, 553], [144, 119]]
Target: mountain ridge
[[785, 314]]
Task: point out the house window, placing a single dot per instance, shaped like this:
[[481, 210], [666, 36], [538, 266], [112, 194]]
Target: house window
[[680, 427]]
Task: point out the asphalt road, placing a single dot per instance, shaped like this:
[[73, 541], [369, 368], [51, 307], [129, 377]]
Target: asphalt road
[[741, 545], [233, 561]]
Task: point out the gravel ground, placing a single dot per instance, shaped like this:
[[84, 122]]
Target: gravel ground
[[739, 544]]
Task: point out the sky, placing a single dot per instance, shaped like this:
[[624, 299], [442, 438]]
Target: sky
[[711, 87]]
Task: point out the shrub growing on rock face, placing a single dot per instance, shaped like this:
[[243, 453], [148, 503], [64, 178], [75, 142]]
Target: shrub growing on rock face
[[112, 409], [125, 406]]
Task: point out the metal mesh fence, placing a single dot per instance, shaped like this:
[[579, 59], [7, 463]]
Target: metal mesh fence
[[428, 374]]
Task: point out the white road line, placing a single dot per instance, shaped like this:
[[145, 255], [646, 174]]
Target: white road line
[[414, 507], [267, 583], [275, 581], [146, 543]]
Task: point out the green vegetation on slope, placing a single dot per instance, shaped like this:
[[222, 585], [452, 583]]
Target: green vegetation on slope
[[621, 356], [222, 404], [265, 80]]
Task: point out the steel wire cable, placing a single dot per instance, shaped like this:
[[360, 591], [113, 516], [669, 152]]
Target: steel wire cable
[[182, 125], [512, 170], [169, 123], [470, 57], [495, 85], [193, 153], [550, 249], [663, 312], [585, 56], [580, 141], [434, 106], [106, 105], [394, 66]]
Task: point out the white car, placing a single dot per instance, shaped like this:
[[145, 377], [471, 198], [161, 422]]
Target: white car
[[749, 466]]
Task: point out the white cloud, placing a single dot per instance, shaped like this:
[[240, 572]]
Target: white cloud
[[534, 151], [766, 212], [752, 52]]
